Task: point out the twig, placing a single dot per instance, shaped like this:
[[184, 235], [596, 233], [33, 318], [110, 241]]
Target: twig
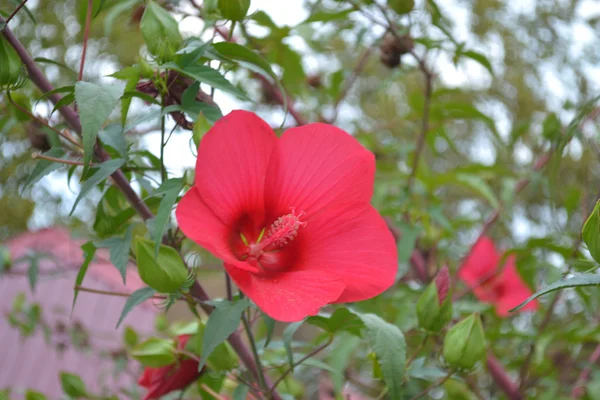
[[261, 372], [300, 361], [16, 10], [110, 293], [360, 66], [584, 376], [433, 386], [86, 34], [58, 160], [416, 352]]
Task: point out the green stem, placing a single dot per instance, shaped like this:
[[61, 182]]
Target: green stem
[[261, 373]]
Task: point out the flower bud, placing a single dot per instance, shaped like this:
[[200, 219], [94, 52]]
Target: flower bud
[[401, 6], [160, 32], [234, 10], [464, 344], [11, 68], [434, 308], [166, 273]]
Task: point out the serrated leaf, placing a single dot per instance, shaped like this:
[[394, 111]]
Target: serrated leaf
[[44, 167], [119, 251], [89, 250], [171, 189], [102, 172], [96, 103], [591, 233], [582, 280], [341, 320], [209, 76], [113, 135], [222, 322], [287, 336], [65, 89], [136, 298], [387, 341]]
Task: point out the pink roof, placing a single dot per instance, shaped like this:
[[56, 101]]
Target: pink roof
[[34, 363]]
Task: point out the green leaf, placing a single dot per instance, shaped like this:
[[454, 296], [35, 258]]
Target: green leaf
[[33, 272], [43, 60], [210, 76], [155, 352], [131, 75], [270, 324], [119, 251], [165, 273], [99, 174], [114, 12], [89, 250], [65, 89], [240, 392], [222, 322], [480, 58], [72, 385], [238, 52], [341, 320], [574, 282], [44, 167], [33, 395], [96, 103], [26, 10], [113, 135], [171, 189], [328, 16], [387, 341], [136, 298], [591, 233], [287, 336], [64, 101]]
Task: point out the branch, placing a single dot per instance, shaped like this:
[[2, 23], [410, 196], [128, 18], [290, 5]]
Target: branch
[[72, 119], [584, 376], [360, 66], [16, 10], [503, 381]]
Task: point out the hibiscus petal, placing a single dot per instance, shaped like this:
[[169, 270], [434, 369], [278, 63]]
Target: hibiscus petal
[[350, 241], [199, 223], [516, 290], [290, 296], [231, 166], [480, 264], [314, 166]]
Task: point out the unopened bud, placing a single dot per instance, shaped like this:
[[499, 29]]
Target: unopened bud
[[166, 272], [464, 344], [434, 308], [160, 32], [234, 10]]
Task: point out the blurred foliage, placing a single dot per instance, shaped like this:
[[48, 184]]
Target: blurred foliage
[[511, 82]]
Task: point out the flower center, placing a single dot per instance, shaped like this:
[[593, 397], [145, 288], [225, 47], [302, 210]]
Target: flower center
[[267, 253]]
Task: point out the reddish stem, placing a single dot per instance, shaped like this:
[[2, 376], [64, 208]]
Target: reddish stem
[[86, 35], [584, 377]]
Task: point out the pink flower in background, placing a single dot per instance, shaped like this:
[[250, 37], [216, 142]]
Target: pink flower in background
[[493, 283], [164, 380], [290, 217]]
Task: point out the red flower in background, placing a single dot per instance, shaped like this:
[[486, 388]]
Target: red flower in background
[[163, 380], [502, 287], [290, 217]]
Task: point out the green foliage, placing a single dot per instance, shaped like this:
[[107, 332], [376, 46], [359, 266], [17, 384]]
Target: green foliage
[[155, 352], [73, 386], [222, 322], [160, 32], [234, 10], [96, 103]]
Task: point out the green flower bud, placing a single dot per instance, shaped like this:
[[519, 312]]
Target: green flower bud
[[234, 10], [166, 273], [160, 32], [464, 344], [434, 308], [12, 73], [155, 352], [401, 6]]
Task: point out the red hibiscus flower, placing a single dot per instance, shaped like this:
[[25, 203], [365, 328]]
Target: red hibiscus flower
[[163, 380], [502, 287], [290, 217]]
